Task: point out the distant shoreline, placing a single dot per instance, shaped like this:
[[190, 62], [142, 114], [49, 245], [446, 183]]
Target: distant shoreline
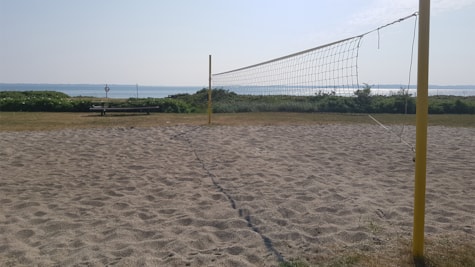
[[97, 90], [146, 91], [389, 85]]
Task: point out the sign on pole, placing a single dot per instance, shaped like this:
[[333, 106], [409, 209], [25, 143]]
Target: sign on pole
[[107, 89]]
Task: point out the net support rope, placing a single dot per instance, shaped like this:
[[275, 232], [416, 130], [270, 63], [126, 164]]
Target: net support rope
[[405, 91]]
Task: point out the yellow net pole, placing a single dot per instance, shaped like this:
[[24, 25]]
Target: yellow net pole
[[421, 130], [209, 93]]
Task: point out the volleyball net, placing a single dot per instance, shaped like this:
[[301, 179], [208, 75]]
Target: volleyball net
[[297, 82], [331, 68]]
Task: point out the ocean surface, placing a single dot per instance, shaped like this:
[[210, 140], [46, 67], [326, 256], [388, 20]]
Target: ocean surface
[[98, 90], [128, 91]]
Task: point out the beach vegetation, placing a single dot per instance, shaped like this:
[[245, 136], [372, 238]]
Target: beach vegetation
[[32, 94], [49, 101], [41, 101], [363, 101], [225, 101]]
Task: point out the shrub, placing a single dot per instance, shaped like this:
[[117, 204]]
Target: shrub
[[167, 105], [41, 101], [225, 101]]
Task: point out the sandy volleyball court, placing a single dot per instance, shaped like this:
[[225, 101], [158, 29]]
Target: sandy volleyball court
[[223, 195]]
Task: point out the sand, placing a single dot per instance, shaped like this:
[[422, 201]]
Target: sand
[[223, 195]]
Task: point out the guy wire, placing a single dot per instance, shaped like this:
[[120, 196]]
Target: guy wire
[[406, 95], [391, 132]]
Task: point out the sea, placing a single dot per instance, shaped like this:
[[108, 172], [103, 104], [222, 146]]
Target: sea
[[139, 91], [98, 90]]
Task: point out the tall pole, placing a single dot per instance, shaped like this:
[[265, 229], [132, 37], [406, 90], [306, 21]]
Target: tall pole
[[421, 130], [209, 93]]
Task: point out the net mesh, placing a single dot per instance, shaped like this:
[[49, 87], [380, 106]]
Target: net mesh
[[329, 69], [320, 79]]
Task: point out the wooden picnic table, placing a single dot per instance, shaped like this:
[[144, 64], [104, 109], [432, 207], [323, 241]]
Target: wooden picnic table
[[104, 110]]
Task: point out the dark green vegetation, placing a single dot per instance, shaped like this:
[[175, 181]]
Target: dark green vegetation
[[361, 102], [41, 101], [229, 102], [49, 101]]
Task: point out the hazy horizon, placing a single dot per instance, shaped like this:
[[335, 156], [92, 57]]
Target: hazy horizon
[[168, 42], [389, 85]]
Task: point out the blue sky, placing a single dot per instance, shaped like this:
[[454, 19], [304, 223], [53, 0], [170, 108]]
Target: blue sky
[[152, 42]]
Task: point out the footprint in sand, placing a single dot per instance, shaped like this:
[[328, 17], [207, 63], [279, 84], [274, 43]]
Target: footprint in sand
[[24, 234], [145, 216], [5, 201], [120, 205], [167, 211], [94, 203], [112, 193], [40, 213], [150, 198], [26, 205]]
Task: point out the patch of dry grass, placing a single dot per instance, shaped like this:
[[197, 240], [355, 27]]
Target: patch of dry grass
[[38, 121], [43, 121], [442, 251]]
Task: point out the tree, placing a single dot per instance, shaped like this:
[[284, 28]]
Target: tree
[[363, 98], [404, 103]]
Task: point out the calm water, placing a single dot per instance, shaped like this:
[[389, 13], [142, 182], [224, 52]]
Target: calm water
[[127, 91], [97, 90]]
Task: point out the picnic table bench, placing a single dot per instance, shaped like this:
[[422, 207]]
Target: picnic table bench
[[103, 109]]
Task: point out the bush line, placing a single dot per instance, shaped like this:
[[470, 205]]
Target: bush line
[[225, 101]]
